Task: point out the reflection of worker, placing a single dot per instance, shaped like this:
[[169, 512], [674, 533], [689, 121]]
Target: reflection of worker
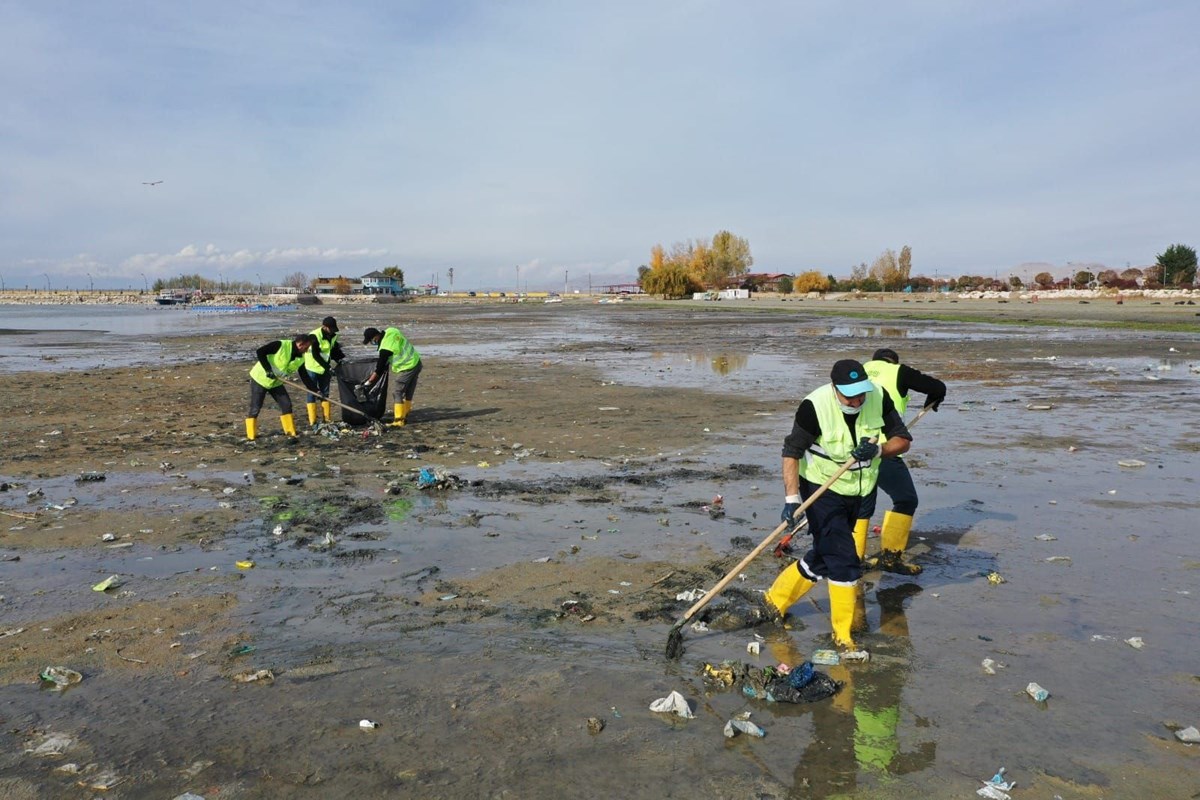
[[855, 734], [406, 367], [833, 425], [895, 480], [319, 362], [277, 360]]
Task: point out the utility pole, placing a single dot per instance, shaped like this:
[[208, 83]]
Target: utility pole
[[565, 274], [450, 272], [518, 278]]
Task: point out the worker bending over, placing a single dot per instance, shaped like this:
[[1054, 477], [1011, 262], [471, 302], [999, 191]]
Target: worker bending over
[[405, 361], [277, 360]]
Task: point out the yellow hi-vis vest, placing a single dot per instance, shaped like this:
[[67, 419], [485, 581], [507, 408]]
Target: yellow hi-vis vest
[[886, 375], [281, 360], [310, 361], [832, 448], [404, 355]]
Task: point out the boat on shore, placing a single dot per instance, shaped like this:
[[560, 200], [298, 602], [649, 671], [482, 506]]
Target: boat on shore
[[174, 297]]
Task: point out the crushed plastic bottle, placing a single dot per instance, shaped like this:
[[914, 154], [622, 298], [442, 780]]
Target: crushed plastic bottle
[[1035, 691]]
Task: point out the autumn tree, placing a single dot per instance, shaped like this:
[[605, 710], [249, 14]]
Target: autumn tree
[[1082, 278], [785, 285], [1016, 283], [904, 265], [810, 281], [341, 285], [1178, 265], [1107, 277], [671, 280], [706, 264], [886, 270], [1043, 280], [1131, 274], [730, 255]]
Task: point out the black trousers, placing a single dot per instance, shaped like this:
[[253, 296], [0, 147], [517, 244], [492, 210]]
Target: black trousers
[[831, 522], [896, 482], [258, 393]]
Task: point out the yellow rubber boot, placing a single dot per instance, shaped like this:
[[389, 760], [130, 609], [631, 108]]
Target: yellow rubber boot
[[860, 537], [251, 428], [788, 588], [893, 538], [842, 599], [859, 623], [399, 411], [289, 424], [327, 410], [312, 414], [407, 408]]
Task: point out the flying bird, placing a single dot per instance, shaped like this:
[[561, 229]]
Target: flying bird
[[151, 183]]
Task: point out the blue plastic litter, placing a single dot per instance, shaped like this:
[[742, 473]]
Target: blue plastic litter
[[802, 675], [427, 478]]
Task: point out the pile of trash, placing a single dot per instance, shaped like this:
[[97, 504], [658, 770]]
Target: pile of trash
[[777, 684], [434, 478], [337, 431]]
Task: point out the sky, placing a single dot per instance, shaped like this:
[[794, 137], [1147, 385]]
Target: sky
[[554, 142]]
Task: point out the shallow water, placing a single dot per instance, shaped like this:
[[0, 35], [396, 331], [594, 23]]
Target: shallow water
[[493, 701]]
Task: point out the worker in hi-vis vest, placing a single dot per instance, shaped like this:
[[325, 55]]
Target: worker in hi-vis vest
[[405, 362], [834, 425], [320, 362], [277, 360], [897, 380]]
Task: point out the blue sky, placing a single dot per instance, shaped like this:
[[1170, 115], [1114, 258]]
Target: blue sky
[[566, 137]]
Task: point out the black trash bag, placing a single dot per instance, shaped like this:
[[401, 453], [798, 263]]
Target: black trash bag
[[803, 685], [368, 407]]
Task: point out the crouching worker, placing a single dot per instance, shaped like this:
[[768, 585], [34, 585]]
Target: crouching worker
[[833, 425], [394, 349], [277, 360], [320, 360]]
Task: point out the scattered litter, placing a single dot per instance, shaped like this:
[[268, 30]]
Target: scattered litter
[[1035, 691], [241, 650], [188, 796], [483, 465], [103, 782], [108, 537], [828, 658], [776, 684], [736, 726], [1131, 463], [88, 477], [1135, 642], [1058, 560], [992, 792], [1188, 735], [1045, 358], [250, 676], [997, 781], [753, 648], [1040, 407], [700, 627], [691, 595], [278, 530], [1099, 637], [448, 597], [989, 666], [368, 724], [674, 703], [11, 632], [228, 490], [995, 578], [111, 582], [542, 560], [1045, 537], [1112, 491], [608, 408], [595, 725], [52, 744], [244, 564], [61, 677]]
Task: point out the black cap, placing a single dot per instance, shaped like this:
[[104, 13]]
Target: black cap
[[369, 334], [850, 378], [331, 323], [886, 354]]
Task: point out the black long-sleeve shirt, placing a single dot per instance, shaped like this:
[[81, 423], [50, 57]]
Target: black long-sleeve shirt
[[806, 429], [271, 348], [909, 379]]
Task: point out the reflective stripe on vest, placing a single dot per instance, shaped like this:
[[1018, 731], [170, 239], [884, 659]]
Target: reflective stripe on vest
[[887, 375], [404, 355], [832, 448], [281, 360], [310, 361]]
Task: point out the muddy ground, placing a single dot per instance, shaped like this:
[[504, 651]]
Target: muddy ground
[[482, 624]]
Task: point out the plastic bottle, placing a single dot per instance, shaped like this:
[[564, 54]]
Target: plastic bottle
[[1035, 691]]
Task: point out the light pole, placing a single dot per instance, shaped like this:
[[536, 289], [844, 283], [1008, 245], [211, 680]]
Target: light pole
[[259, 283], [566, 273], [90, 284], [47, 277], [450, 274], [518, 278], [145, 283]]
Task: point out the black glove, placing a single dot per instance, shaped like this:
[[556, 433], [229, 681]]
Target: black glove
[[788, 514], [866, 450], [933, 401]]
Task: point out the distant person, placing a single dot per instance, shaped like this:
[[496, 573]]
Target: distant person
[[895, 480], [405, 362], [320, 361], [833, 425], [277, 360]]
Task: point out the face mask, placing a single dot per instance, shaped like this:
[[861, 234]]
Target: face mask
[[851, 410]]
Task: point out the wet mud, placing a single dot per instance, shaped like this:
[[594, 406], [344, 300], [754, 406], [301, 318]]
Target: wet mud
[[482, 624]]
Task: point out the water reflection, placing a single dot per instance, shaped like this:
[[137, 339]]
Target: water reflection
[[855, 741], [721, 363], [855, 331]]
